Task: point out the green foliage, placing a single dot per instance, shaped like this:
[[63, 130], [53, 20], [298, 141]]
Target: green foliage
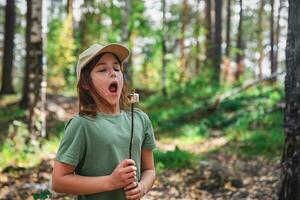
[[175, 159], [10, 113], [60, 51], [251, 106], [180, 104], [250, 120], [45, 194], [16, 144], [203, 127], [19, 149], [262, 142]]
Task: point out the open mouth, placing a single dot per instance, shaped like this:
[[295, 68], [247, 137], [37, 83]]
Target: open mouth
[[113, 87]]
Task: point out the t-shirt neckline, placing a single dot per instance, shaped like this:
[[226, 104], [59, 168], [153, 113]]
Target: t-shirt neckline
[[111, 115]]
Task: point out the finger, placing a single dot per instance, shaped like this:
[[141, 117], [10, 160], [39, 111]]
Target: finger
[[128, 186], [133, 179], [127, 162], [131, 186], [133, 191], [130, 174], [129, 169], [128, 181], [132, 197]]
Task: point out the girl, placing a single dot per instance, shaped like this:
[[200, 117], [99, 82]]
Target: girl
[[91, 161]]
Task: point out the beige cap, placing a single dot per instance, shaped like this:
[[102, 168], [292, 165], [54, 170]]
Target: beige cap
[[85, 57]]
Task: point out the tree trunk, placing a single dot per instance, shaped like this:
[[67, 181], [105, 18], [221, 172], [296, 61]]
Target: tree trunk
[[290, 174], [43, 111], [208, 32], [272, 56], [228, 27], [164, 61], [260, 37], [277, 36], [88, 16], [10, 19], [182, 40], [125, 37], [34, 64], [226, 61], [218, 41], [240, 46], [197, 34], [69, 7]]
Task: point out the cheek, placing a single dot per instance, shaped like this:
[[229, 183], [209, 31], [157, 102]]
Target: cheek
[[98, 84], [121, 79]]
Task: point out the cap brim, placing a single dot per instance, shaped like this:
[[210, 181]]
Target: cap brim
[[119, 50]]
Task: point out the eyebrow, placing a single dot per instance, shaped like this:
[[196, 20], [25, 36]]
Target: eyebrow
[[103, 63]]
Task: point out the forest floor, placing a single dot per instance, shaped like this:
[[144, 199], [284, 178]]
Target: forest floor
[[213, 180], [221, 176]]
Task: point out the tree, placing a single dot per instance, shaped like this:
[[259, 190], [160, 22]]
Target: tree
[[34, 64], [86, 23], [164, 50], [69, 6], [126, 37], [184, 19], [272, 54], [61, 53], [240, 46], [197, 34], [290, 174], [226, 62], [228, 28], [260, 37], [277, 34], [10, 19], [218, 40], [208, 32]]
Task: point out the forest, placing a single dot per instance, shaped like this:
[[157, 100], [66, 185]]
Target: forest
[[219, 80]]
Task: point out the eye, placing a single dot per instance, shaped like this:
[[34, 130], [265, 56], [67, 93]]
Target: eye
[[102, 70], [117, 68]]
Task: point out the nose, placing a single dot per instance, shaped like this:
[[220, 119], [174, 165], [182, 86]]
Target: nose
[[113, 74]]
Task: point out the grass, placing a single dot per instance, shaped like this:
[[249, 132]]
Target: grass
[[11, 113], [186, 140], [14, 152], [176, 159]]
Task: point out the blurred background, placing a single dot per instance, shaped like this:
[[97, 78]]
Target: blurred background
[[209, 73]]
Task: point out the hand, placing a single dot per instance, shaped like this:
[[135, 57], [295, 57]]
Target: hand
[[123, 174], [135, 191]]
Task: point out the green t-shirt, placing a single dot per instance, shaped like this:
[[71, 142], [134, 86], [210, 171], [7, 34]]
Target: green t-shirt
[[97, 145]]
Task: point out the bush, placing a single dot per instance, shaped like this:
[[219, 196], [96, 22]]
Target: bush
[[175, 159]]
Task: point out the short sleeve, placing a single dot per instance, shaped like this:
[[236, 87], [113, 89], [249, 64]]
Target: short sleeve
[[149, 139], [72, 145]]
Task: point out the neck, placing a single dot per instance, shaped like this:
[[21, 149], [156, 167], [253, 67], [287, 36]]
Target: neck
[[110, 110]]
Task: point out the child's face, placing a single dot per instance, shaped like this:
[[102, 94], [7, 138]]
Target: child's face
[[106, 72]]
